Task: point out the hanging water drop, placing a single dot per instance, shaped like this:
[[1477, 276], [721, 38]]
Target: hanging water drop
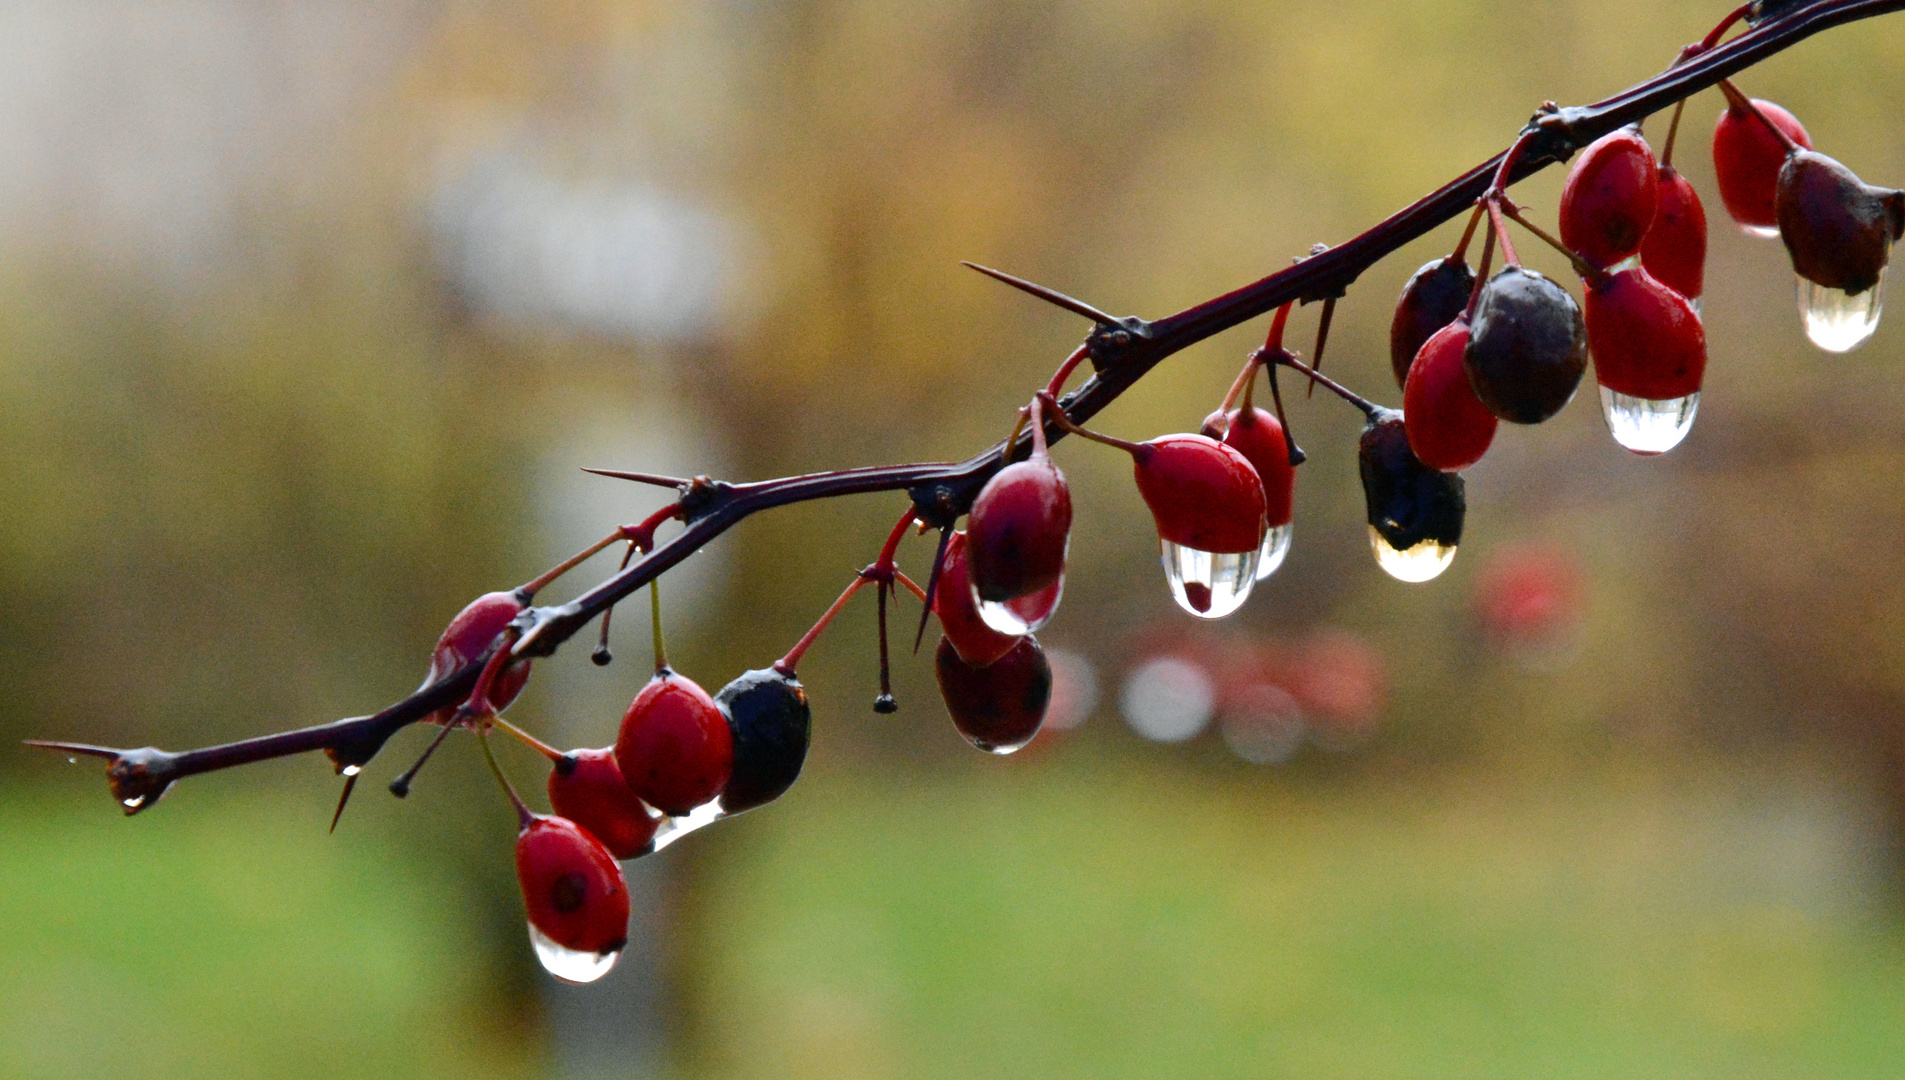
[[1836, 322], [1276, 546], [570, 965], [1762, 232], [133, 803], [1020, 615], [1419, 563], [1695, 303], [1209, 585], [1645, 426], [674, 828], [351, 770]]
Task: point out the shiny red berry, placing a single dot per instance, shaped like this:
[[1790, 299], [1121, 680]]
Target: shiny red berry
[[1646, 340], [1526, 346], [1610, 197], [1018, 531], [1747, 158], [998, 708], [468, 636], [1430, 301], [1257, 434], [978, 643], [1203, 494], [588, 789], [1675, 250], [675, 749], [1448, 426], [576, 898]]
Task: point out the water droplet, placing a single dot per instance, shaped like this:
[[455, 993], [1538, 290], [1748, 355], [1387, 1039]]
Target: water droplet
[[1836, 322], [1694, 302], [1021, 614], [674, 828], [1276, 545], [1420, 563], [352, 770], [1645, 426], [134, 803], [1209, 585], [570, 965], [72, 761], [1763, 232]]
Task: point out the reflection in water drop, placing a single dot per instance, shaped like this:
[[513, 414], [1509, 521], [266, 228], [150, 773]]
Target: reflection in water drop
[[570, 965], [1276, 545], [352, 770], [1836, 322], [1645, 426], [1022, 614], [1763, 232], [1209, 585], [674, 828], [135, 802], [1694, 302], [1419, 563]]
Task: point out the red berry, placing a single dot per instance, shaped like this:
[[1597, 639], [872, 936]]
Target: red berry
[[468, 636], [589, 790], [1430, 301], [1203, 494], [1448, 426], [1610, 198], [978, 643], [1258, 436], [1646, 340], [997, 708], [1838, 229], [1526, 346], [675, 749], [575, 895], [1017, 533], [1675, 250], [1747, 158]]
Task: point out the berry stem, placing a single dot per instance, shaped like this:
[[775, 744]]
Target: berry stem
[[1737, 100], [1593, 275], [1509, 159], [1460, 254], [1501, 231], [883, 566], [786, 664], [1714, 35], [1673, 133], [1065, 424], [1290, 448], [523, 816], [1065, 370], [911, 585], [538, 745], [1272, 342], [1368, 407], [1481, 274], [601, 656], [654, 614]]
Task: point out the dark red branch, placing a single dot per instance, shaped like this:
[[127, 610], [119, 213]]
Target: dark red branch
[[1122, 352]]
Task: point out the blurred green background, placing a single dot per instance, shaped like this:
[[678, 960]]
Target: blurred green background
[[308, 313]]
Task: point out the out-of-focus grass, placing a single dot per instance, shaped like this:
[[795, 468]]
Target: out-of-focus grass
[[252, 945], [1146, 919]]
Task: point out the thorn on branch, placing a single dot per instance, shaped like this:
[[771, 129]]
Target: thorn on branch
[[138, 778]]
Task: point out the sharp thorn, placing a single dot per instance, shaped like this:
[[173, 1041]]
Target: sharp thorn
[[656, 479], [349, 783], [1050, 296], [75, 748]]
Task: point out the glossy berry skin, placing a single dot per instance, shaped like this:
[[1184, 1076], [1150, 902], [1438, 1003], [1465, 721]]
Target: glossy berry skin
[[1432, 299], [1675, 250], [1747, 159], [1610, 197], [588, 789], [1647, 342], [1257, 434], [675, 750], [1448, 426], [1838, 229], [1018, 530], [978, 644], [468, 636], [1203, 494], [1408, 502], [997, 708], [572, 888], [770, 722], [1526, 347]]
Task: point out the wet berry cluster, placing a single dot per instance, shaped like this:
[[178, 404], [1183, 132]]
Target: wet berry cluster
[[1470, 347]]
